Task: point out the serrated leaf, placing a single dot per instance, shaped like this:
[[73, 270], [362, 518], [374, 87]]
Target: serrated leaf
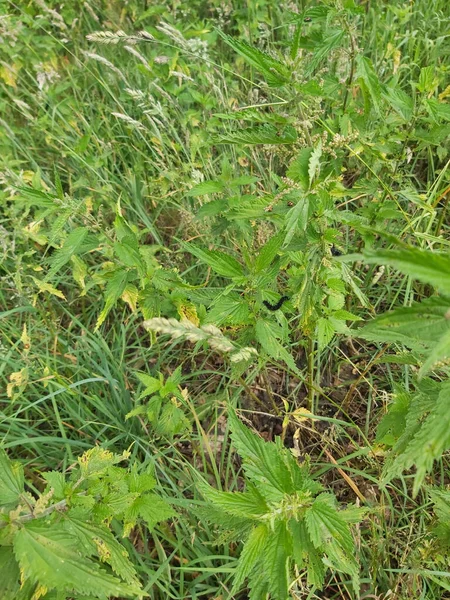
[[47, 288], [221, 263], [367, 73], [298, 169], [262, 461], [11, 480], [323, 49], [9, 574], [325, 332], [418, 326], [439, 352], [275, 561], [206, 187], [99, 541], [248, 505], [314, 162], [251, 554], [424, 265], [275, 72], [430, 440], [265, 336], [151, 508], [51, 557], [305, 552], [114, 289], [296, 217], [72, 244], [268, 252], [400, 102]]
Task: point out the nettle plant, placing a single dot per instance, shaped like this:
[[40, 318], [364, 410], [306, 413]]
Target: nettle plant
[[61, 543], [290, 527]]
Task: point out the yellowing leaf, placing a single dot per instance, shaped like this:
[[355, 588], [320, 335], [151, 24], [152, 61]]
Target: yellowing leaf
[[189, 312], [9, 74], [17, 379], [302, 414], [48, 288], [130, 296]]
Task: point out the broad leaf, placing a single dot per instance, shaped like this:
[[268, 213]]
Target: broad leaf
[[275, 72], [221, 263], [11, 480], [251, 554], [72, 244], [50, 556], [424, 265]]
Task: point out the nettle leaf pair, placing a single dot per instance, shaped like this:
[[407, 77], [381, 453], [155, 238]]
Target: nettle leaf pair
[[60, 544], [288, 524]]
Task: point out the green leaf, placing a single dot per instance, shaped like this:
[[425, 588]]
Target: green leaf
[[275, 72], [431, 439], [265, 336], [206, 187], [325, 332], [11, 480], [99, 541], [251, 554], [424, 265], [427, 80], [400, 102], [221, 263], [263, 134], [325, 524], [268, 252], [440, 351], [299, 167], [420, 326], [248, 505], [9, 574], [263, 463], [314, 162], [50, 556], [114, 289], [323, 49], [367, 73], [151, 508], [275, 561], [305, 552], [70, 247], [297, 217], [152, 384]]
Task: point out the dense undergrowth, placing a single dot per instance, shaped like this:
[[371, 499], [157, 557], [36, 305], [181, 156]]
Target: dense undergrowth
[[224, 299]]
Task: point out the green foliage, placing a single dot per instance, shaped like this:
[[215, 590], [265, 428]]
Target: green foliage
[[283, 519], [62, 540], [163, 407]]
